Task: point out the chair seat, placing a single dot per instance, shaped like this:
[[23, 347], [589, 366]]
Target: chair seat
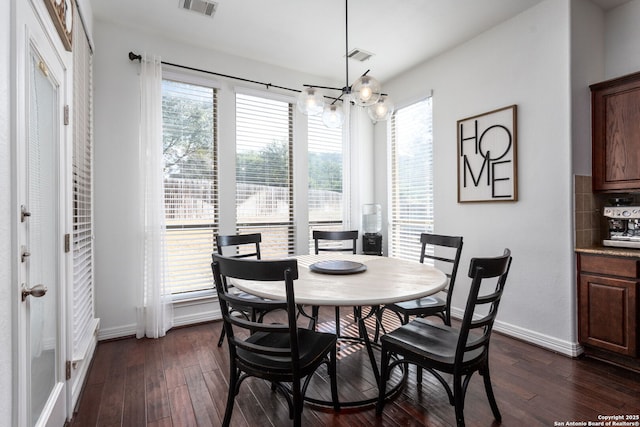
[[419, 306], [313, 346], [252, 299], [428, 340], [248, 296]]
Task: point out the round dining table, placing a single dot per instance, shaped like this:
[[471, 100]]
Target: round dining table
[[339, 280], [384, 281]]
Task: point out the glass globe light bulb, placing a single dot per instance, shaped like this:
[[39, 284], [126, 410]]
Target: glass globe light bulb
[[365, 91], [310, 101], [333, 116], [381, 110]]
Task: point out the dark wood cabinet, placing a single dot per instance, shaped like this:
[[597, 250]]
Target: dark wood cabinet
[[608, 303], [615, 121]]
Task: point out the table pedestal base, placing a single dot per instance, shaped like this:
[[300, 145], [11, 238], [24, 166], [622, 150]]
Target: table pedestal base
[[358, 367]]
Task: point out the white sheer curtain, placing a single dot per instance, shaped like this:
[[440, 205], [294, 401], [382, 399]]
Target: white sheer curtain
[[155, 310]]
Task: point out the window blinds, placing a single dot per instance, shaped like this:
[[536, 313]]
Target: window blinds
[[325, 177], [82, 305], [411, 179], [190, 183], [264, 172]]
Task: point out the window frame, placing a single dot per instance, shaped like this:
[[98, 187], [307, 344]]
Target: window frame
[[267, 247], [190, 78], [401, 245]]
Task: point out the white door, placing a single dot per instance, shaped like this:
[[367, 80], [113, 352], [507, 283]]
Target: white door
[[41, 272]]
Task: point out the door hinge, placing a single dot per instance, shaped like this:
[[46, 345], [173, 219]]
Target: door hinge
[[66, 115], [67, 243], [68, 370]]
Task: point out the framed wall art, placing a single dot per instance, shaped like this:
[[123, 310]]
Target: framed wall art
[[487, 162], [61, 12]]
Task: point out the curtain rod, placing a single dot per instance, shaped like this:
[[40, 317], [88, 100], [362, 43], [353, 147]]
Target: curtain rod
[[135, 57]]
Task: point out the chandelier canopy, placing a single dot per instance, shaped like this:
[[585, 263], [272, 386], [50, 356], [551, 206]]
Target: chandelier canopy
[[366, 92]]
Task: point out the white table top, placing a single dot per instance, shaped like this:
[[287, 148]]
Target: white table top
[[386, 280]]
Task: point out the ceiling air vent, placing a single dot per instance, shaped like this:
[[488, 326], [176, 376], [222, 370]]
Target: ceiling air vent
[[359, 55], [207, 8]]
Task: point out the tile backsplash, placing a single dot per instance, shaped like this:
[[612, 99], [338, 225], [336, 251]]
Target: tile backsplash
[[588, 221]]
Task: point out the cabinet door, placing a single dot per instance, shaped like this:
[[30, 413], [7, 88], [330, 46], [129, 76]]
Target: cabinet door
[[607, 313], [616, 134]]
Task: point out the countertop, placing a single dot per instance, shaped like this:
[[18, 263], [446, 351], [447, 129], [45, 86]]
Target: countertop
[[610, 251]]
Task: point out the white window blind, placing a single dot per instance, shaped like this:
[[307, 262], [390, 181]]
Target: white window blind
[[411, 179], [82, 306], [190, 183], [325, 177], [264, 172]]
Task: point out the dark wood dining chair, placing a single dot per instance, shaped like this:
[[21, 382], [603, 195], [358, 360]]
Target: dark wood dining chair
[[278, 353], [433, 305], [335, 236], [441, 348], [243, 246], [320, 239]]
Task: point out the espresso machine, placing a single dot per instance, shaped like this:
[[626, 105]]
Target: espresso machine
[[624, 226]]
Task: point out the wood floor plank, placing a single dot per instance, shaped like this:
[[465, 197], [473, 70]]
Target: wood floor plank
[[181, 409], [111, 410], [101, 363], [182, 380], [134, 411], [203, 407], [158, 407], [204, 349], [89, 407], [217, 387], [164, 422]]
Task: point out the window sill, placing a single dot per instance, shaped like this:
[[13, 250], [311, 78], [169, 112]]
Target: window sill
[[194, 298]]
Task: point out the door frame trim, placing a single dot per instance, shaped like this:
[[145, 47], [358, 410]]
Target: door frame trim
[[32, 28]]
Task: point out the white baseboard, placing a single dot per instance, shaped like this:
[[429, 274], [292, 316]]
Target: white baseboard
[[567, 348], [178, 320], [190, 319], [116, 332]]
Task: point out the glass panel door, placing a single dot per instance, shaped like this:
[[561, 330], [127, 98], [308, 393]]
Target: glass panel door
[[40, 253]]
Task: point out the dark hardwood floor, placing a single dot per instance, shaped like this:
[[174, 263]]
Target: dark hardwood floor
[[181, 380]]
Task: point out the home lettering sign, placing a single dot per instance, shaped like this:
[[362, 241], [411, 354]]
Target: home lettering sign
[[487, 157]]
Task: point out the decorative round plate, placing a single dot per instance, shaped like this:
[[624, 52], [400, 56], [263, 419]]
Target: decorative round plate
[[337, 267]]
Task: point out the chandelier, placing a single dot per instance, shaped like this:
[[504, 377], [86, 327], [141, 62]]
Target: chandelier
[[364, 92]]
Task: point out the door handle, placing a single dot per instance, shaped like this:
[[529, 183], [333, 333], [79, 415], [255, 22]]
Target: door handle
[[37, 291], [24, 213]]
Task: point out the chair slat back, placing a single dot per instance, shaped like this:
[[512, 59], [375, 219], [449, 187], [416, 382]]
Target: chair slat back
[[242, 243], [451, 242], [351, 235], [475, 331], [236, 327]]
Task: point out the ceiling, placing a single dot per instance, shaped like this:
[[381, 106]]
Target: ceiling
[[309, 35]]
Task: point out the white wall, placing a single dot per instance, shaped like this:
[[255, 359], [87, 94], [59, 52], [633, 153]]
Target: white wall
[[6, 289], [85, 8], [587, 67], [117, 198], [524, 61], [622, 40]]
